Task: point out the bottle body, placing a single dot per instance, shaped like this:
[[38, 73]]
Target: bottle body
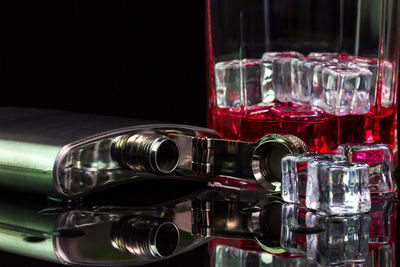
[[68, 154]]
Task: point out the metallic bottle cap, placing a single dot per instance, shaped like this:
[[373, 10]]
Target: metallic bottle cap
[[145, 236], [266, 158], [145, 152]]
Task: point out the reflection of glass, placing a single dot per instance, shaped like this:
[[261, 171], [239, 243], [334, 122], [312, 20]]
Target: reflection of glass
[[325, 71]]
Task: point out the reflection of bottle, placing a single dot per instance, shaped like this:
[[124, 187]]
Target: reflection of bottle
[[95, 236], [72, 154], [232, 215], [244, 234]]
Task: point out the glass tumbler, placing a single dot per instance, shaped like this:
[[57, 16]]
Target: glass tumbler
[[323, 70]]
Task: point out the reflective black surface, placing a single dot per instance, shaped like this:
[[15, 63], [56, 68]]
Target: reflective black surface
[[170, 223]]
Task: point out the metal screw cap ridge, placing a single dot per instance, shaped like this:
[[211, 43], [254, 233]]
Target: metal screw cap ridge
[[145, 152], [298, 146], [267, 156]]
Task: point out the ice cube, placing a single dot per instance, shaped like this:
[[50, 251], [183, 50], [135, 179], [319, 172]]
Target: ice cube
[[338, 188], [323, 56], [248, 79], [388, 82], [342, 88], [294, 174], [372, 65], [388, 78], [344, 241], [302, 71], [379, 157], [281, 76], [284, 54], [318, 97]]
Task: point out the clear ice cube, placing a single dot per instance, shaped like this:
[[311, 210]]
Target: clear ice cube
[[388, 81], [342, 88], [344, 241], [285, 54], [388, 78], [379, 157], [338, 188], [281, 62], [318, 97], [373, 66], [247, 79], [294, 174], [302, 71], [323, 56]]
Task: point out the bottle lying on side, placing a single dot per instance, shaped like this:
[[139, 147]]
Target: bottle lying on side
[[71, 154]]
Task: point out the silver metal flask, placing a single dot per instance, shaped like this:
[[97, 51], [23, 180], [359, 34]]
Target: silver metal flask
[[72, 154]]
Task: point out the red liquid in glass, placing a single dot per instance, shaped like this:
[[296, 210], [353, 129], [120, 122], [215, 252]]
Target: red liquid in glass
[[320, 131]]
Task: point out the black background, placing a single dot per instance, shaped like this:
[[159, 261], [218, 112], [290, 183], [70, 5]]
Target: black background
[[137, 59]]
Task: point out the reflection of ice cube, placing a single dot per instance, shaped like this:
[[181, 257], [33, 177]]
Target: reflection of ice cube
[[228, 255], [281, 76], [338, 188], [344, 241], [294, 174], [382, 219], [344, 89], [249, 79], [293, 217], [379, 157]]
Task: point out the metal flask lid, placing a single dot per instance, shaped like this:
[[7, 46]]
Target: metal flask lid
[[267, 155]]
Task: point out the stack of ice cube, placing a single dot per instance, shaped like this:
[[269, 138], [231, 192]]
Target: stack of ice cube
[[338, 184], [295, 174], [337, 84]]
